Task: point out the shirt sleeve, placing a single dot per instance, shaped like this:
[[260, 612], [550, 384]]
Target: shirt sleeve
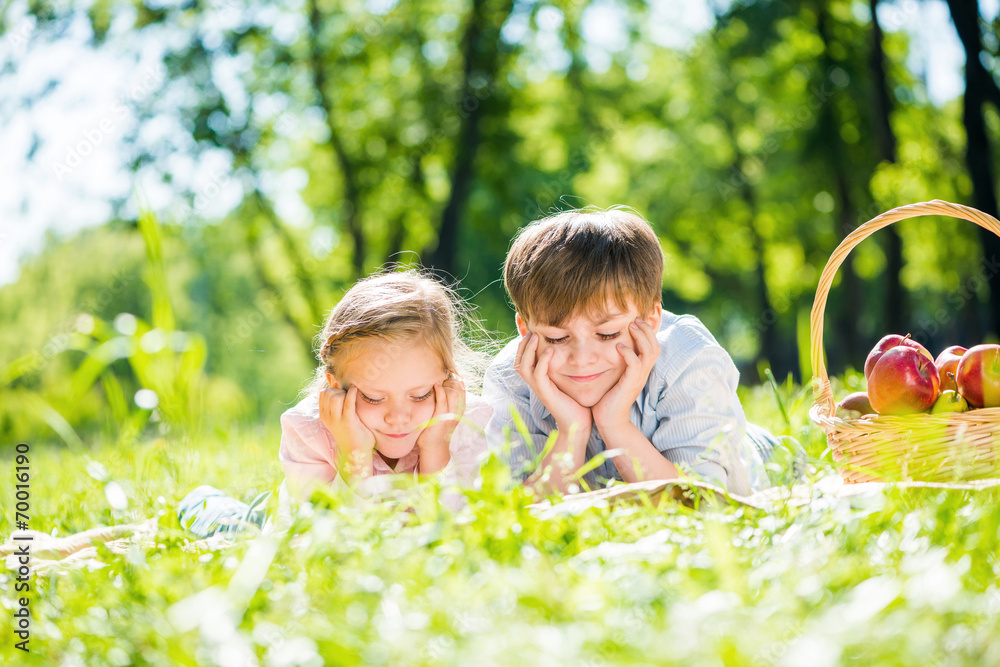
[[508, 394], [700, 423], [468, 444], [307, 452]]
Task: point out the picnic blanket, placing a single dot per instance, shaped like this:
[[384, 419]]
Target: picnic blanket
[[80, 550]]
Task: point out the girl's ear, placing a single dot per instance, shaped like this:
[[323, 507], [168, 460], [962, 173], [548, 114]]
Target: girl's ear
[[522, 326], [332, 381]]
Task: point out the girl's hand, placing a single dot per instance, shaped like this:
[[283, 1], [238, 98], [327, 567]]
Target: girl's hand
[[534, 368], [355, 443], [613, 410], [434, 441]]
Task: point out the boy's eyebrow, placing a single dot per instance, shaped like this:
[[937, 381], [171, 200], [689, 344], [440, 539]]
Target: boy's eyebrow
[[603, 320], [607, 318]]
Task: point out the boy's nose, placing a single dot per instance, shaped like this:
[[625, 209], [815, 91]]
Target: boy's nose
[[582, 353]]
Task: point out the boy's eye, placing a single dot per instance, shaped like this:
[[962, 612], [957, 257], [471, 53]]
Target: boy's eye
[[556, 341], [610, 336], [373, 401], [425, 396]]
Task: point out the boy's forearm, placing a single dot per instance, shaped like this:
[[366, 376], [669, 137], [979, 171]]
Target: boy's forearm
[[562, 463], [640, 460]]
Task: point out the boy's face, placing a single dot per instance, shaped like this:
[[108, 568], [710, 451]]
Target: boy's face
[[585, 362]]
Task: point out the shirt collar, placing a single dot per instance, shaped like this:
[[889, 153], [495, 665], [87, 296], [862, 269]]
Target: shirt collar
[[406, 464]]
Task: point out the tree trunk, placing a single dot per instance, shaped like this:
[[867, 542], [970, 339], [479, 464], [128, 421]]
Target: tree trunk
[[351, 207], [885, 139], [851, 301], [979, 88], [770, 343], [481, 48]]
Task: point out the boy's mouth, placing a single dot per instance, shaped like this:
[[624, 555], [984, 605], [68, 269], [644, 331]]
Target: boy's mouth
[[585, 378], [396, 435]]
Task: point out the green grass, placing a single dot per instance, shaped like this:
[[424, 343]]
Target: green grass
[[904, 578]]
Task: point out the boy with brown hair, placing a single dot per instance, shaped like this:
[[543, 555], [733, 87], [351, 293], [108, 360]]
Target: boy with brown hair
[[602, 363]]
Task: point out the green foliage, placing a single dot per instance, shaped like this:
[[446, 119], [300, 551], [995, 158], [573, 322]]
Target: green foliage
[[903, 577]]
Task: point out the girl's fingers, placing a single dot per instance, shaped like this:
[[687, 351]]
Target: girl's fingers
[[351, 402], [458, 405], [440, 400]]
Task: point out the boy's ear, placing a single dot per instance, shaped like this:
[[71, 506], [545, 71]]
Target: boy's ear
[[654, 316], [522, 326], [332, 381]]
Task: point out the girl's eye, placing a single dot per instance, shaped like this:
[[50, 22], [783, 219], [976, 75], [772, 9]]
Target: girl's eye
[[373, 401], [610, 336], [425, 396], [556, 341]]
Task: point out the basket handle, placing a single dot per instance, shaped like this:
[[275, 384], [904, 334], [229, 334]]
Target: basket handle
[[822, 393]]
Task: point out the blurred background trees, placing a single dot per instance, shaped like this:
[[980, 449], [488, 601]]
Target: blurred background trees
[[347, 135]]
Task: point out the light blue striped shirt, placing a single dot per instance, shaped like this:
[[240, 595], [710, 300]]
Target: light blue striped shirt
[[688, 409]]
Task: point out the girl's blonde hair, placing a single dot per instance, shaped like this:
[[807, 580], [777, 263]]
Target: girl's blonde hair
[[394, 308]]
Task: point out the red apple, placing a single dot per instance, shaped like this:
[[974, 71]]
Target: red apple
[[979, 376], [889, 342], [855, 405], [947, 362], [903, 381]]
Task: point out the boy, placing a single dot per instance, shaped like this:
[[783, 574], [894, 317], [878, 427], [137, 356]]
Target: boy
[[601, 362]]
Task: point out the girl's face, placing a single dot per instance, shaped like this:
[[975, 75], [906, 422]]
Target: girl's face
[[395, 384]]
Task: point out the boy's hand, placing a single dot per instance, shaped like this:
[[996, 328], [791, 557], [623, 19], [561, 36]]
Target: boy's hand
[[534, 368], [433, 442], [614, 409], [355, 443]]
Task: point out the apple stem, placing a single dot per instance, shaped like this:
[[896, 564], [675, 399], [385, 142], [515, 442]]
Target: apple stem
[[953, 379]]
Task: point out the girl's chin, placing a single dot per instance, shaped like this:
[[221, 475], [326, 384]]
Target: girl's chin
[[395, 449]]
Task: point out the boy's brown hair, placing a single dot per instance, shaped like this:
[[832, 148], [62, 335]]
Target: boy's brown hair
[[579, 260]]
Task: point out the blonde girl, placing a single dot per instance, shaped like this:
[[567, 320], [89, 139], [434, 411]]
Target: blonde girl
[[389, 397], [389, 394]]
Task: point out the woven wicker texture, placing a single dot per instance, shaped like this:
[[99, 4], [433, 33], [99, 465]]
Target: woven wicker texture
[[923, 447]]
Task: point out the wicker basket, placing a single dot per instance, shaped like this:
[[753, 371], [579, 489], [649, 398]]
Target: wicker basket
[[924, 447]]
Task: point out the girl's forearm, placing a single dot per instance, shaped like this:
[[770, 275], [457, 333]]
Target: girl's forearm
[[433, 459], [356, 465]]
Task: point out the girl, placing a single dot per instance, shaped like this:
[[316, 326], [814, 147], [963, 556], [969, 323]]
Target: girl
[[388, 397]]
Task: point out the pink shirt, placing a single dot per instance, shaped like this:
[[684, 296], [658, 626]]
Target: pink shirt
[[308, 452]]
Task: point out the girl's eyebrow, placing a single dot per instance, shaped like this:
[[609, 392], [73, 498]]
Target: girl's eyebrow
[[369, 392]]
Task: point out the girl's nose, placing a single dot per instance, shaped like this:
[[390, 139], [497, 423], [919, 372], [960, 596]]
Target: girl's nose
[[397, 414]]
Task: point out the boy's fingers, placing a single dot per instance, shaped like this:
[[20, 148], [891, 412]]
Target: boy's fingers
[[631, 359], [527, 362], [519, 354], [641, 337], [645, 338], [541, 369]]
